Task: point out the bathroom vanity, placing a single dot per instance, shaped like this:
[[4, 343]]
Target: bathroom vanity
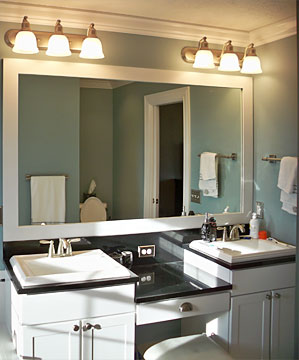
[[252, 301]]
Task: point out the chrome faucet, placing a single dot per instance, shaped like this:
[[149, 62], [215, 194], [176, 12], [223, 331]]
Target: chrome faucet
[[65, 246], [234, 233]]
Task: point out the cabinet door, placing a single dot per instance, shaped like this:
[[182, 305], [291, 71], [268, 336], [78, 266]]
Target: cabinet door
[[282, 324], [54, 341], [250, 326], [114, 340]]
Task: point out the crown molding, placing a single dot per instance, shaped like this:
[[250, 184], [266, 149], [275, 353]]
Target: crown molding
[[80, 19], [274, 32]]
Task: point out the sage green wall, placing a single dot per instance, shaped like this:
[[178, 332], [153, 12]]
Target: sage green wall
[[275, 130], [49, 109], [96, 139], [216, 127]]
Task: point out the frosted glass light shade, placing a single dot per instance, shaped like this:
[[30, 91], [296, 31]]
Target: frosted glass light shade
[[204, 59], [251, 65], [25, 43], [58, 46], [92, 49], [229, 62]]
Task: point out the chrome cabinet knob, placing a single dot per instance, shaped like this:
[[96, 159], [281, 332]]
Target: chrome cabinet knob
[[87, 327], [277, 296], [76, 328], [268, 297], [186, 307]]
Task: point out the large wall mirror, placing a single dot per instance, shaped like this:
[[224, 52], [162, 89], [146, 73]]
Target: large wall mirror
[[137, 133]]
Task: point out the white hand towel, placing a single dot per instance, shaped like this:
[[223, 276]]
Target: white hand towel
[[208, 174], [47, 199], [208, 166], [287, 177]]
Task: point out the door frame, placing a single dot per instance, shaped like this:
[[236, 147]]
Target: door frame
[[151, 147]]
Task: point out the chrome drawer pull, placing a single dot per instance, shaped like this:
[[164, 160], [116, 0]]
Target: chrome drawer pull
[[186, 307]]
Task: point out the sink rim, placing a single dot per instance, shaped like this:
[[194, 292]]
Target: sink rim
[[217, 253], [18, 263]]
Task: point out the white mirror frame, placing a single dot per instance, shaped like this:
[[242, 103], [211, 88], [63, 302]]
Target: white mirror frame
[[12, 68]]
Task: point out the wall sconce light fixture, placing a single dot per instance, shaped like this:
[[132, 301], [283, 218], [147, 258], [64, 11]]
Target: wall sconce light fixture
[[226, 59], [251, 63], [92, 46], [58, 43], [25, 40], [204, 58], [229, 61], [55, 44]]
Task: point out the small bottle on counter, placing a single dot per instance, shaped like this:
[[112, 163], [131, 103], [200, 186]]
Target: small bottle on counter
[[254, 226], [205, 229], [213, 229]]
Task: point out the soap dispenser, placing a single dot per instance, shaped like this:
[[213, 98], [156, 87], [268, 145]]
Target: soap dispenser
[[254, 226]]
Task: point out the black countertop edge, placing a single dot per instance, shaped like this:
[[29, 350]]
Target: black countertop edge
[[245, 264], [168, 296], [70, 286]]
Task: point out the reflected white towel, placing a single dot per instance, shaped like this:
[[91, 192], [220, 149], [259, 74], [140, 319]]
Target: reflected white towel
[[47, 199], [291, 209], [287, 177], [208, 174]]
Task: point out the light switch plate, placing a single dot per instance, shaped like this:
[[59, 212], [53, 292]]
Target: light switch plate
[[259, 210], [195, 196]]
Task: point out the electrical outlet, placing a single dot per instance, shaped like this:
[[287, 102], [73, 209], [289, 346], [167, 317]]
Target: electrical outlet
[[147, 278], [259, 210], [195, 196], [146, 251]]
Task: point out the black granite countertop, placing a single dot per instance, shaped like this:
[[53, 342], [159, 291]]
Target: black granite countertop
[[156, 278]]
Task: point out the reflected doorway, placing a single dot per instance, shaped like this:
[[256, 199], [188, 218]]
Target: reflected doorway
[[171, 159]]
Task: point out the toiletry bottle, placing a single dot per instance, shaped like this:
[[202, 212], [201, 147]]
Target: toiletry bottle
[[205, 229], [213, 229], [254, 227]]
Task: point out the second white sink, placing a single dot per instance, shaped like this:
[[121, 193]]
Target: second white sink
[[39, 269], [243, 250]]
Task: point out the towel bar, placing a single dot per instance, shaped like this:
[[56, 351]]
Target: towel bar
[[233, 156], [28, 177]]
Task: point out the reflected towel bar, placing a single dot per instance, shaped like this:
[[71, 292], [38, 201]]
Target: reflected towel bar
[[233, 156], [28, 177], [272, 158]]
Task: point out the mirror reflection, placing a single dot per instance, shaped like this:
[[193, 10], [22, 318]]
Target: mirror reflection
[[93, 132]]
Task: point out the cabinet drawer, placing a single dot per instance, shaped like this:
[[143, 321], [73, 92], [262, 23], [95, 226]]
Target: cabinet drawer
[[170, 309], [69, 305]]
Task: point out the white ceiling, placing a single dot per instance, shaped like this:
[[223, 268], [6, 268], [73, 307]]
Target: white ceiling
[[243, 20]]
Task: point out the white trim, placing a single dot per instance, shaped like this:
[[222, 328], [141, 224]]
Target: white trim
[[80, 19], [11, 70], [274, 32], [151, 146]]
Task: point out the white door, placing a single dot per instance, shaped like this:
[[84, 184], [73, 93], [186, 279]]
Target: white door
[[250, 326], [109, 337], [282, 324], [54, 341]]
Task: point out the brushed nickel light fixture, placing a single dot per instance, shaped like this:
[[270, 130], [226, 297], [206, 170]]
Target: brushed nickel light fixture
[[26, 41], [226, 59]]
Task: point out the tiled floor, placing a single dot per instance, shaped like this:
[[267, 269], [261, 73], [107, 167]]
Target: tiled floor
[[7, 351]]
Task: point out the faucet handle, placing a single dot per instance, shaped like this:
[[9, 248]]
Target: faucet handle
[[51, 252], [69, 250]]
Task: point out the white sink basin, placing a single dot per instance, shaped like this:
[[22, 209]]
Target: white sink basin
[[39, 269], [243, 250]]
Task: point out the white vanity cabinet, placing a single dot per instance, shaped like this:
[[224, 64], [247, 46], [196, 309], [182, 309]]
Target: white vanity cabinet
[[89, 324], [261, 324]]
